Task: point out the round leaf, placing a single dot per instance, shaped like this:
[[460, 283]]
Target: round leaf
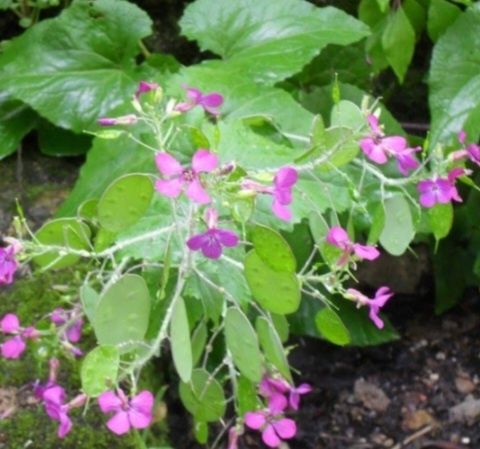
[[331, 327], [203, 396], [180, 341], [99, 370], [124, 202], [123, 311], [89, 298], [273, 249], [275, 291], [441, 219], [65, 232], [398, 230], [242, 342]]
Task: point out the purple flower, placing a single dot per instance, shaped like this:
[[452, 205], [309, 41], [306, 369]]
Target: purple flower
[[283, 184], [440, 190], [14, 347], [136, 412], [129, 119], [188, 179], [382, 295], [378, 147], [274, 426], [73, 332], [8, 265], [274, 390], [212, 241], [209, 102], [232, 438], [144, 87], [281, 191], [338, 237], [55, 407]]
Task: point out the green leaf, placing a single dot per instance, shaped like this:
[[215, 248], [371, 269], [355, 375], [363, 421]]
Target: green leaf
[[203, 396], [199, 340], [180, 341], [398, 41], [78, 66], [89, 298], [331, 326], [275, 291], [201, 431], [377, 226], [55, 141], [246, 396], [398, 231], [272, 346], [99, 370], [371, 12], [441, 14], [417, 14], [441, 219], [273, 249], [242, 342], [455, 99], [106, 162], [258, 38], [16, 120], [124, 202], [383, 4], [67, 233], [347, 114], [123, 312]]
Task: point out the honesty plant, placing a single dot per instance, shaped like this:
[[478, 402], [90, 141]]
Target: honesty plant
[[196, 247]]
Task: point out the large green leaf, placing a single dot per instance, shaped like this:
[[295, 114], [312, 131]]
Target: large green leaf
[[276, 291], [455, 99], [398, 230], [331, 326], [242, 342], [106, 161], [99, 370], [180, 341], [269, 40], [123, 311], [203, 396], [78, 66], [441, 14], [16, 120]]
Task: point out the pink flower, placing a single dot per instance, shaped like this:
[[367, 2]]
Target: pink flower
[[8, 265], [144, 87], [377, 147], [440, 190], [274, 390], [210, 102], [55, 407], [232, 438], [382, 295], [274, 426], [14, 347], [73, 332], [338, 237], [129, 119], [212, 241], [136, 412], [188, 179], [281, 191]]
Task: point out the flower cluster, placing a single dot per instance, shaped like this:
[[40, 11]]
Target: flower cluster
[[338, 237], [378, 148], [271, 421], [13, 347], [8, 262]]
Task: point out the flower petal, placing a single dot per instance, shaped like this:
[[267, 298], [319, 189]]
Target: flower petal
[[394, 144], [373, 315], [212, 249], [286, 177], [169, 187], [367, 252], [167, 165], [277, 403], [55, 395], [285, 427], [226, 237], [65, 425], [204, 161], [119, 423], [10, 323], [74, 332], [281, 211], [143, 402], [13, 348], [255, 420], [197, 241], [139, 420], [373, 151], [109, 402], [197, 193], [270, 437], [338, 237]]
